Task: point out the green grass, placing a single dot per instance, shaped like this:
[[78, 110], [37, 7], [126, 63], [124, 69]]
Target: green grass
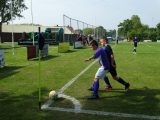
[[19, 83]]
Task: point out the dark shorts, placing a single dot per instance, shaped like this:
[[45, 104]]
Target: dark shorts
[[135, 44], [113, 72]]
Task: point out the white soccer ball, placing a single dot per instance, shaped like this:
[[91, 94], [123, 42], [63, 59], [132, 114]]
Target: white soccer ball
[[52, 94]]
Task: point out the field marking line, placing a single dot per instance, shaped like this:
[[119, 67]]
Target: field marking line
[[77, 105], [114, 114], [78, 109], [76, 77], [151, 46]]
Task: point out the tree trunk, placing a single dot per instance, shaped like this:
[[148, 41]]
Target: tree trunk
[[0, 32]]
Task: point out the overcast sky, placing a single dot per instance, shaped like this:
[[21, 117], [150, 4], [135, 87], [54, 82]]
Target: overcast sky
[[108, 13]]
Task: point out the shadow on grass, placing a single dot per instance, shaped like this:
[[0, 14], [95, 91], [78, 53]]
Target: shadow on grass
[[8, 71], [25, 107], [62, 102], [9, 47], [49, 57], [113, 90], [69, 51], [45, 58], [81, 48], [134, 101], [21, 107]]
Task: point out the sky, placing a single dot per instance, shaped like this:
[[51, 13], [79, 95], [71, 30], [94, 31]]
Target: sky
[[107, 13]]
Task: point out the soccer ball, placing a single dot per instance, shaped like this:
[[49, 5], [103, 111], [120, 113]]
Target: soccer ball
[[52, 94]]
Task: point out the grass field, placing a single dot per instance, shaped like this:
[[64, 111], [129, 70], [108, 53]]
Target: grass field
[[19, 83]]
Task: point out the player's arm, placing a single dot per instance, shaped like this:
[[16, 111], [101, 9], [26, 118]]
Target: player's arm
[[95, 56], [113, 61], [90, 58], [112, 58]]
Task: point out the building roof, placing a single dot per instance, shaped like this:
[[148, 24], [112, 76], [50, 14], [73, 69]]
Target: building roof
[[20, 28]]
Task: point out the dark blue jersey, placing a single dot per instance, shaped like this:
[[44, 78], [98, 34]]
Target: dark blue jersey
[[135, 40], [109, 52]]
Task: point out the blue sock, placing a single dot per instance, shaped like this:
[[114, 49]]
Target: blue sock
[[96, 87], [107, 81], [120, 80]]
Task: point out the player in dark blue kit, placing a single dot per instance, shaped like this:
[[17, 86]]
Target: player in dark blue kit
[[103, 69], [113, 72], [135, 41]]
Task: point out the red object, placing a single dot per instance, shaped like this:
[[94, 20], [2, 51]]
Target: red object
[[108, 88], [31, 52]]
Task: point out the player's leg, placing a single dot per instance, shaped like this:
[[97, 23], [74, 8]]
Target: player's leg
[[95, 89], [119, 79], [135, 46], [99, 75], [108, 85], [134, 49]]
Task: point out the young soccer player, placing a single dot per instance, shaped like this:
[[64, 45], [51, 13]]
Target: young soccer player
[[135, 41], [103, 69], [113, 72]]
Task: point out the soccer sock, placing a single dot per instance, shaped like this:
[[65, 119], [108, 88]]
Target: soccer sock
[[107, 81], [134, 50], [95, 87], [120, 80]]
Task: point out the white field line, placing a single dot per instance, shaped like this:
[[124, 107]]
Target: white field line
[[151, 46], [77, 108], [77, 105], [93, 112], [75, 78]]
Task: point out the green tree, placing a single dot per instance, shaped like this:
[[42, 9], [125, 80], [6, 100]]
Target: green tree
[[88, 31], [101, 31], [144, 32], [158, 26], [125, 27], [111, 33], [158, 31], [5, 11], [152, 34], [136, 22], [132, 27]]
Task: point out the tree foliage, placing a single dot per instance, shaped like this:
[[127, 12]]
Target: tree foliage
[[111, 33], [88, 31], [100, 30], [125, 27], [158, 31], [18, 7], [133, 27]]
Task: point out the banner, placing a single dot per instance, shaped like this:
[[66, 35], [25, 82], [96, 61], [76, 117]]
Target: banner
[[2, 58], [78, 44]]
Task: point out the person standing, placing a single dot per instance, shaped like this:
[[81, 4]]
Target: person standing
[[135, 41], [113, 72], [103, 69]]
